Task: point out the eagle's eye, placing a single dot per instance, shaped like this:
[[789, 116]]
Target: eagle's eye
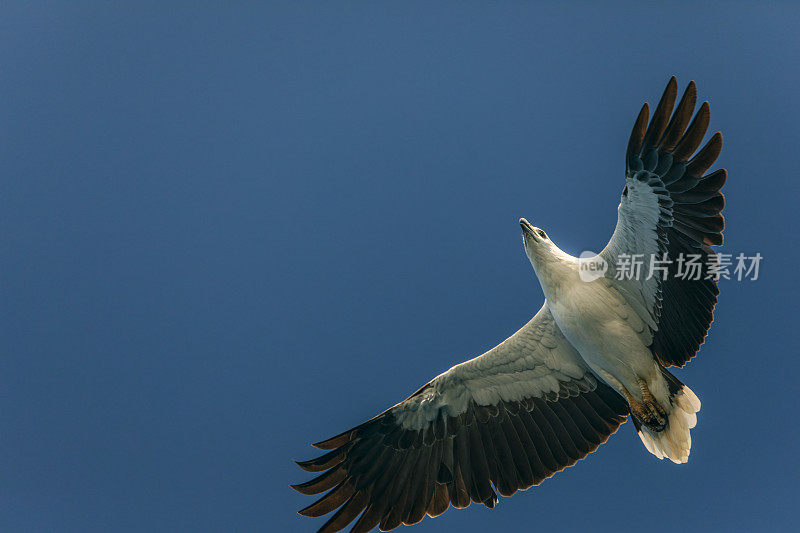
[[542, 234]]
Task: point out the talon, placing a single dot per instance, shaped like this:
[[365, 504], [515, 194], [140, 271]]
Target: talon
[[648, 411]]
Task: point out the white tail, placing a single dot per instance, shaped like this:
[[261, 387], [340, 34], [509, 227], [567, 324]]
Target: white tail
[[675, 441]]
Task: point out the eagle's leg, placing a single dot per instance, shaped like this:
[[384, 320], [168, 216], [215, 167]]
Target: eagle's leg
[[649, 412]]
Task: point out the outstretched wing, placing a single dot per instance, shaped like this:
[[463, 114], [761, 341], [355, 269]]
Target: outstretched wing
[[669, 207], [507, 419]]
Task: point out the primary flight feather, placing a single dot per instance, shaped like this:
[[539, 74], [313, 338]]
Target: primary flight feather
[[596, 352]]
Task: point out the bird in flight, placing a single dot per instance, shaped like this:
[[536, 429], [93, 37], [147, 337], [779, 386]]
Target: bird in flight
[[596, 352]]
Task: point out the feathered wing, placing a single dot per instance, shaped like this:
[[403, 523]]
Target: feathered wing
[[670, 207], [505, 420]]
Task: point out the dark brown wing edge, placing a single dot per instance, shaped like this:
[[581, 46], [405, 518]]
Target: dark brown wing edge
[[391, 475], [665, 148]]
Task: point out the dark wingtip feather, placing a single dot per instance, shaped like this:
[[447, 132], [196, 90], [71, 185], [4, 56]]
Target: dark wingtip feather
[[335, 442], [691, 93], [680, 119], [717, 178], [330, 501], [322, 482], [324, 462], [706, 156], [310, 465], [302, 490], [661, 116], [694, 134], [639, 128]]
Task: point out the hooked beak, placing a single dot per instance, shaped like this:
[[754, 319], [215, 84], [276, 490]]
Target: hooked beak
[[527, 229]]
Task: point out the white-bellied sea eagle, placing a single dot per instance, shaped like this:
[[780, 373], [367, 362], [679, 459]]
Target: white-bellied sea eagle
[[596, 352]]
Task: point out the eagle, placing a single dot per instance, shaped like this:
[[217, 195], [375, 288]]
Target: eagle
[[597, 352]]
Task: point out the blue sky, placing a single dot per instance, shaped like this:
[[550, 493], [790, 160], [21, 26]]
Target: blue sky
[[228, 233]]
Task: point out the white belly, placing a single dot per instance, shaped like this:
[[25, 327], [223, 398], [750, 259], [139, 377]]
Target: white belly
[[606, 341]]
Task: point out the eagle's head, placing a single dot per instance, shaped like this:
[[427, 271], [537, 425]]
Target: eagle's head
[[534, 240], [540, 249], [553, 266]]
